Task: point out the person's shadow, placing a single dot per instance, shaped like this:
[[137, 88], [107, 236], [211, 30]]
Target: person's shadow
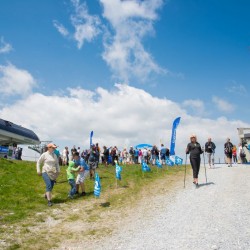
[[206, 184]]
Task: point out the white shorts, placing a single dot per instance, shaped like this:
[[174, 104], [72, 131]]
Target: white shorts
[[82, 176]]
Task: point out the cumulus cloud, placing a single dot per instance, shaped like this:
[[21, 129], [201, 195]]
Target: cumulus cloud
[[122, 116], [124, 52], [197, 106], [86, 26], [223, 105], [14, 81], [4, 47]]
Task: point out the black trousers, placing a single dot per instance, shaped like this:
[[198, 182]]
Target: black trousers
[[195, 163]]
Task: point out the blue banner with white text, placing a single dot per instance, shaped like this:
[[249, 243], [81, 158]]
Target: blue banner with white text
[[173, 138]]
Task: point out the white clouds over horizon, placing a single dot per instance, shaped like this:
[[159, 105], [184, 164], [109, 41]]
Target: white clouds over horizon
[[122, 116], [14, 81], [4, 47]]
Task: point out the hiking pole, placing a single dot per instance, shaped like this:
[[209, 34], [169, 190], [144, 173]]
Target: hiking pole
[[185, 172], [205, 167]]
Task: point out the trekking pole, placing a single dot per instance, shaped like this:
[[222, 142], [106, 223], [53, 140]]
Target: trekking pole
[[185, 172], [205, 167]]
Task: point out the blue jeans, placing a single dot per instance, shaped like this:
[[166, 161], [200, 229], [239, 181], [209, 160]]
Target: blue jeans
[[73, 187], [48, 182]]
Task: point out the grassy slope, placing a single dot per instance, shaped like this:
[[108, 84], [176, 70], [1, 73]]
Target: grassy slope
[[21, 190]]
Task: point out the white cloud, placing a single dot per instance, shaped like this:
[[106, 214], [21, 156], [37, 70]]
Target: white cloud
[[122, 116], [86, 26], [14, 81], [197, 106], [61, 29], [4, 47], [223, 105], [238, 89], [128, 23], [124, 52]]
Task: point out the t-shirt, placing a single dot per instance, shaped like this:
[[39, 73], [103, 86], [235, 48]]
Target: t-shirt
[[82, 163]]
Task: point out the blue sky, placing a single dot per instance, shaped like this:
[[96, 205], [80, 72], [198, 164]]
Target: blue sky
[[193, 53]]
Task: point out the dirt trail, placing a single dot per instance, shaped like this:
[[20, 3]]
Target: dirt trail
[[214, 216]]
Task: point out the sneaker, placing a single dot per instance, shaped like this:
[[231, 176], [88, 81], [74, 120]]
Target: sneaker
[[83, 194], [50, 203]]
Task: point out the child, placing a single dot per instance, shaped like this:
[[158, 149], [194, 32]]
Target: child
[[71, 178], [83, 173]]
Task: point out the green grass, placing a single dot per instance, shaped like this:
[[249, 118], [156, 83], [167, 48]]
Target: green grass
[[22, 190]]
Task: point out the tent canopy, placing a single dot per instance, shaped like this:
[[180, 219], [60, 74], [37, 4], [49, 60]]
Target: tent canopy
[[144, 145]]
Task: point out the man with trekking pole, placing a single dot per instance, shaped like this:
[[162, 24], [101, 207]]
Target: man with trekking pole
[[210, 149]]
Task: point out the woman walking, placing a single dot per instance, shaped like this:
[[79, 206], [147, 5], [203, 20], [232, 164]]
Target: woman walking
[[50, 170], [194, 148]]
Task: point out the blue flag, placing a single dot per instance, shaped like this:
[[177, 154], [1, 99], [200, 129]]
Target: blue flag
[[173, 138], [97, 188], [178, 160], [158, 164], [169, 162], [145, 167], [90, 138], [4, 149], [118, 170]]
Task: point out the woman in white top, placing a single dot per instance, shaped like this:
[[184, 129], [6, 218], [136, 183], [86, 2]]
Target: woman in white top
[[50, 170]]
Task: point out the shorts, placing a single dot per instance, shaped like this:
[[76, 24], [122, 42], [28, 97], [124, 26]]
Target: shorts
[[229, 155], [82, 176]]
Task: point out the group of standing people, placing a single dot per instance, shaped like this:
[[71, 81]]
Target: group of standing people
[[134, 155], [195, 150], [85, 163]]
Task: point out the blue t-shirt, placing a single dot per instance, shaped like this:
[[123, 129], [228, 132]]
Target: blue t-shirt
[[82, 163]]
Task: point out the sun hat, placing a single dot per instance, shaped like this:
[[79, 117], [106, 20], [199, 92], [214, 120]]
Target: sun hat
[[51, 145]]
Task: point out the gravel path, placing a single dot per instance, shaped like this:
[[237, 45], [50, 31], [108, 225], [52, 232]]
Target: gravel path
[[214, 216]]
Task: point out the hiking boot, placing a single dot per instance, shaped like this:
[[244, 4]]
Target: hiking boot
[[50, 203]]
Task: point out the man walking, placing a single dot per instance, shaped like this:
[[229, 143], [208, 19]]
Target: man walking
[[228, 149], [210, 149]]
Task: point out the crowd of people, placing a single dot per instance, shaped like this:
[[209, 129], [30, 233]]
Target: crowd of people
[[84, 163], [195, 150]]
